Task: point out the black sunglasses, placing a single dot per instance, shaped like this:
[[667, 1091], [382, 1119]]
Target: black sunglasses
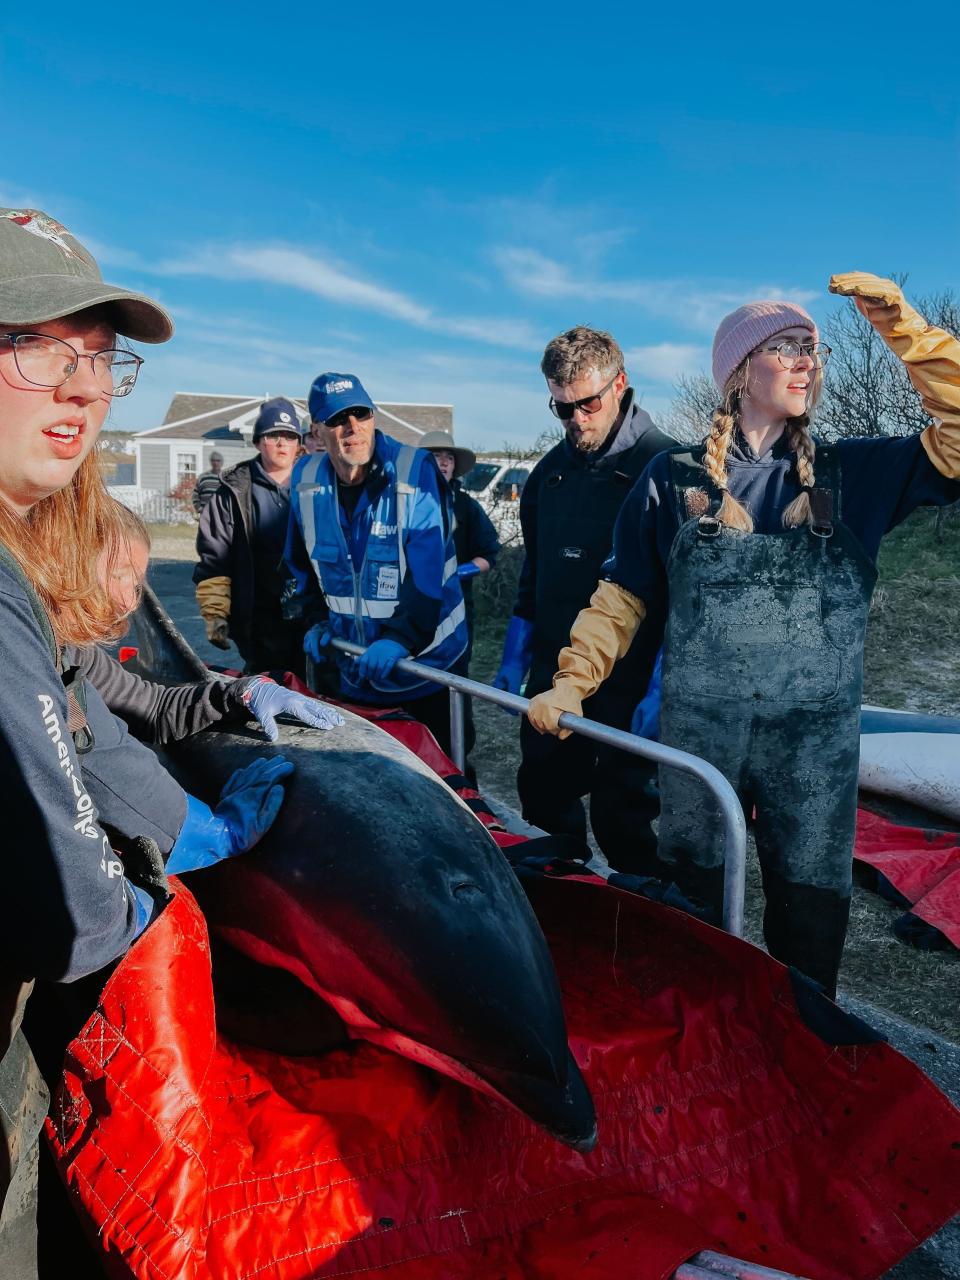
[[565, 409], [360, 413]]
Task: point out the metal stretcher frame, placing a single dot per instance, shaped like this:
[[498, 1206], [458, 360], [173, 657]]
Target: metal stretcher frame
[[731, 814]]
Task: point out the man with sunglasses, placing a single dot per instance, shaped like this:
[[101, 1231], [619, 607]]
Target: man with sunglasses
[[243, 586], [370, 546], [567, 512]]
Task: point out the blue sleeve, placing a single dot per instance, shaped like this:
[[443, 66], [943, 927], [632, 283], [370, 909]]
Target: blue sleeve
[[134, 794], [417, 615], [71, 910], [525, 605], [215, 538], [642, 537], [883, 480], [306, 588]]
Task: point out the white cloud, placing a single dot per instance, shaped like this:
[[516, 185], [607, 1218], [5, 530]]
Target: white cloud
[[665, 361], [14, 197], [685, 302], [296, 269]]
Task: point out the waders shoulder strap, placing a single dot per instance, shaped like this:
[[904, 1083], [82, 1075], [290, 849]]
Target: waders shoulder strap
[[695, 492]]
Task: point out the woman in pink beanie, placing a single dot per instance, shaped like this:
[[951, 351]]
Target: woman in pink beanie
[[754, 554]]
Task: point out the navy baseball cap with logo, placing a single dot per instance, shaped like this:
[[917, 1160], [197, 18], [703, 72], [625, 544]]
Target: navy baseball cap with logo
[[276, 418], [332, 392]]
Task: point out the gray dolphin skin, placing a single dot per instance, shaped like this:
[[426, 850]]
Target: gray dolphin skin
[[383, 894]]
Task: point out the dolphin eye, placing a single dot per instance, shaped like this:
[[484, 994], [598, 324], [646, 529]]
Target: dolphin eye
[[465, 889]]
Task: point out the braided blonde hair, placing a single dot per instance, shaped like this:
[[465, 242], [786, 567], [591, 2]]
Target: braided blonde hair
[[724, 423], [799, 440]]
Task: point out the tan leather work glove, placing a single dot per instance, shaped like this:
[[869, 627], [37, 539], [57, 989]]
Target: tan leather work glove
[[213, 597], [931, 357], [602, 633]]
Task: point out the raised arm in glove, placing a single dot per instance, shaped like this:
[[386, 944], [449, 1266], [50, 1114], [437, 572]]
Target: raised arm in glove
[[931, 357]]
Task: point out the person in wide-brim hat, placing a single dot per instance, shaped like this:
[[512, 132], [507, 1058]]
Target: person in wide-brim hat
[[464, 459]]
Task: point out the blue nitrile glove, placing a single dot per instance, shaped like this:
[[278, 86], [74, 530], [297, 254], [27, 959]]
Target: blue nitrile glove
[[468, 570], [517, 652], [267, 700], [380, 659], [317, 641], [646, 717], [144, 906], [249, 804]]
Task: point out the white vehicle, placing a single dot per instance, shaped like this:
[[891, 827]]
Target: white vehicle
[[497, 484]]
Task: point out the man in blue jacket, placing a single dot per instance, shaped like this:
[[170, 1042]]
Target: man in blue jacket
[[371, 551]]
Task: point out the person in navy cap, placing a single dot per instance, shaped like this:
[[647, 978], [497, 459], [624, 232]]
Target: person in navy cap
[[371, 551], [242, 582]]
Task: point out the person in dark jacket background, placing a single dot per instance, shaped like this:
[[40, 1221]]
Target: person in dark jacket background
[[208, 482], [476, 543], [474, 536], [242, 581], [567, 512]]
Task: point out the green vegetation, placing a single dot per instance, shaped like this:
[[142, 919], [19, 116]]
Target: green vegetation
[[913, 639]]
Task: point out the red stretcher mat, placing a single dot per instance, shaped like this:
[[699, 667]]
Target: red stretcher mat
[[725, 1122], [921, 864]]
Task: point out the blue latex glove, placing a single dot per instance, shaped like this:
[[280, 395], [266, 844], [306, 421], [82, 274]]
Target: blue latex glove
[[646, 717], [248, 807], [267, 700], [468, 570], [316, 642], [517, 652], [380, 659], [144, 906]]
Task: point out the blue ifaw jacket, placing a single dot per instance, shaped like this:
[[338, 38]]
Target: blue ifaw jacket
[[389, 571]]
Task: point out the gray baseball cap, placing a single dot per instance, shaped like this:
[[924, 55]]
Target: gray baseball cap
[[46, 274]]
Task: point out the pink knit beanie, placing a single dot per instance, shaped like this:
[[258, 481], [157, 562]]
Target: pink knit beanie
[[744, 329]]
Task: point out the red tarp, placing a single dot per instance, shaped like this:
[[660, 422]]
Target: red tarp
[[725, 1122], [922, 865]]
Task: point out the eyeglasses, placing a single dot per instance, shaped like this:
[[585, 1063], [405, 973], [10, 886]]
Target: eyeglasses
[[50, 362], [790, 351], [565, 409], [360, 413]]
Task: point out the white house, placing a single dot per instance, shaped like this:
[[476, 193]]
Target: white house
[[196, 425]]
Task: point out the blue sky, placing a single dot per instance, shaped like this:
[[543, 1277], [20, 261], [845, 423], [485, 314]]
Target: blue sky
[[424, 196]]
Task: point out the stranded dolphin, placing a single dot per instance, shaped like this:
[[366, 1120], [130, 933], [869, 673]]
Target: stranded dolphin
[[380, 890]]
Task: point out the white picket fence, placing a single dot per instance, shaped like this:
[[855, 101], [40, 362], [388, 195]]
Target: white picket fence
[[151, 505]]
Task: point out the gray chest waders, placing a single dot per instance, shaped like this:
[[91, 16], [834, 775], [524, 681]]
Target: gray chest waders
[[763, 676]]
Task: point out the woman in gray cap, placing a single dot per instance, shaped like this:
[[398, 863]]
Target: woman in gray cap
[[72, 909]]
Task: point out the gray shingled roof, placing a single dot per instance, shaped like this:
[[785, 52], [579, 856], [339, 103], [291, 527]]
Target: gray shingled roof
[[203, 417]]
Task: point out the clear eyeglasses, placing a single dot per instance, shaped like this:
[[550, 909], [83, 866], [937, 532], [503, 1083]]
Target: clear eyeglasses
[[790, 350], [50, 362]]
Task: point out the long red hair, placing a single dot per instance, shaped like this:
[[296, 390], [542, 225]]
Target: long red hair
[[57, 544]]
